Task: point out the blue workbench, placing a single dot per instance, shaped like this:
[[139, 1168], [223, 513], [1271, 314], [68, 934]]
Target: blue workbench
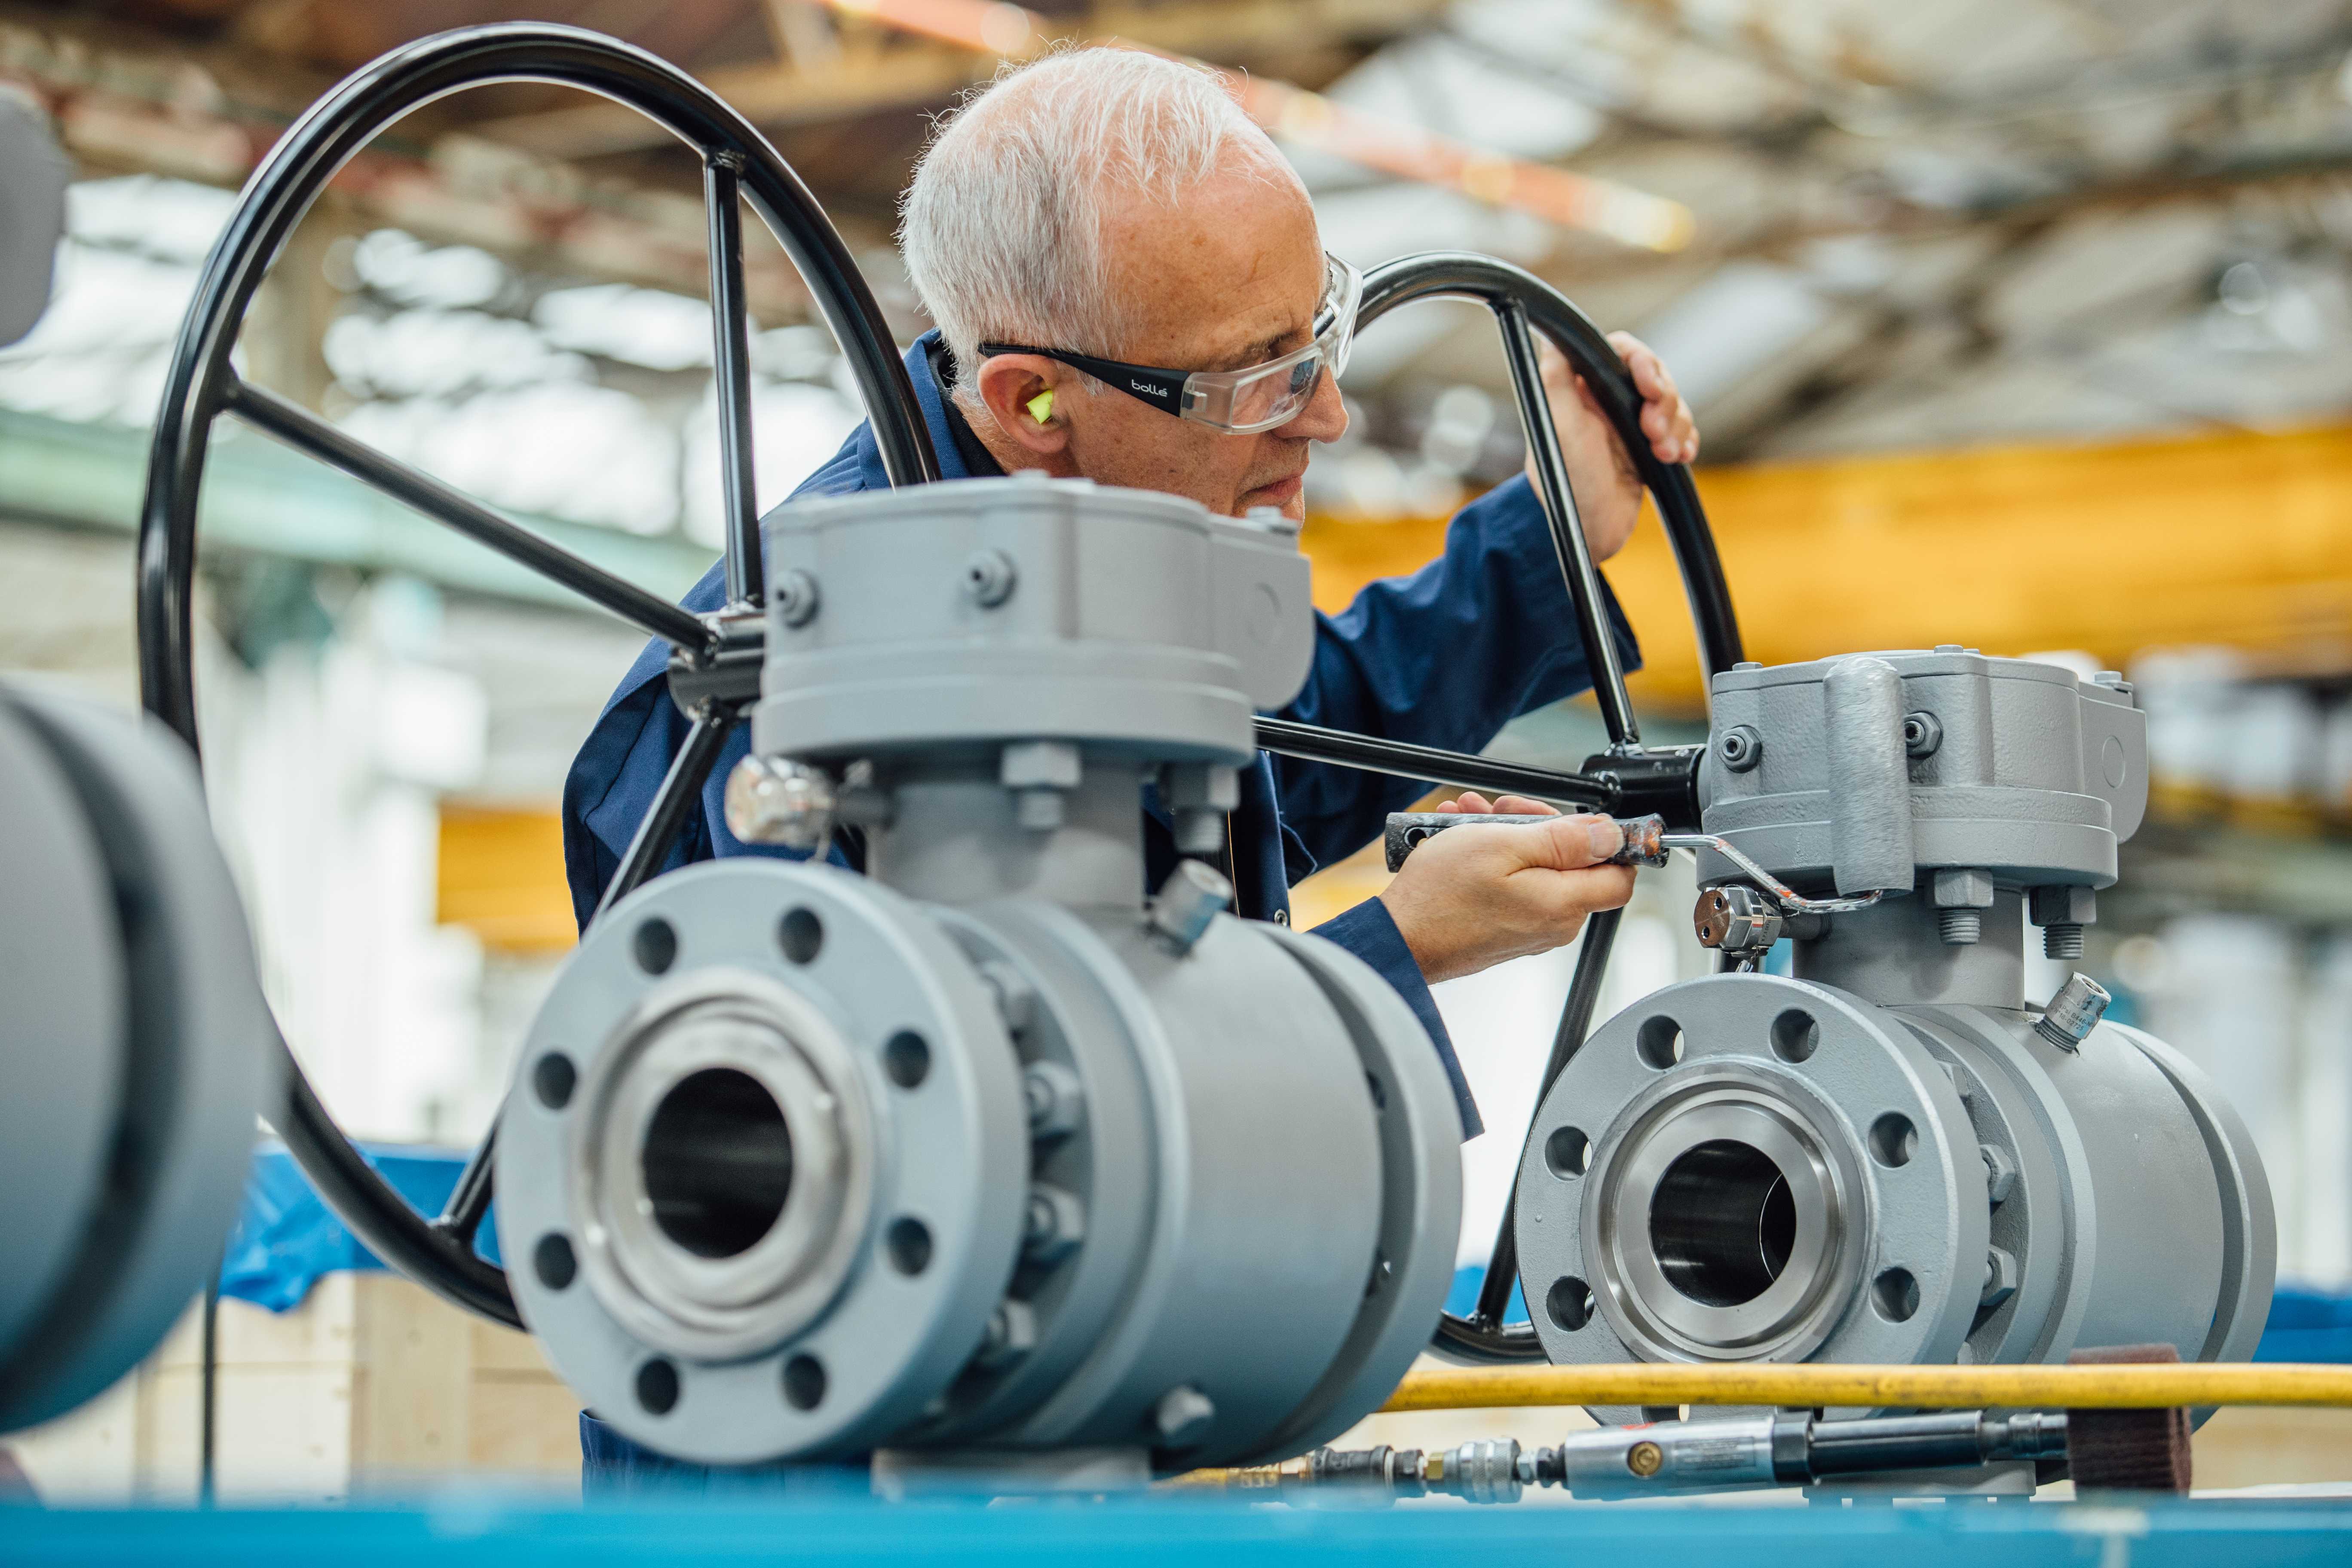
[[464, 1532]]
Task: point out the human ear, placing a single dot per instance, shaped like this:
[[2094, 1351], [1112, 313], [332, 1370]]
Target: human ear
[[1021, 394]]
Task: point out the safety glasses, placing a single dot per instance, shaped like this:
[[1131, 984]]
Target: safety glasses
[[1240, 402]]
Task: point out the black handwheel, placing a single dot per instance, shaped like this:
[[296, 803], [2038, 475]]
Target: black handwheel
[[716, 659], [738, 166], [1626, 779]]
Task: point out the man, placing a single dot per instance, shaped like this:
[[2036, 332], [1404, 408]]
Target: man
[[1117, 210], [1093, 233]]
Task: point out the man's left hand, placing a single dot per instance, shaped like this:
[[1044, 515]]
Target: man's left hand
[[1600, 471]]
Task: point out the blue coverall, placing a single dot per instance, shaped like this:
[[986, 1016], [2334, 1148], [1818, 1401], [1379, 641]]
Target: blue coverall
[[1444, 658]]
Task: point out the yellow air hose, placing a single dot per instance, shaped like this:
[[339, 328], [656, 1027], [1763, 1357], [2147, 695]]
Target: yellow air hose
[[2141, 1386]]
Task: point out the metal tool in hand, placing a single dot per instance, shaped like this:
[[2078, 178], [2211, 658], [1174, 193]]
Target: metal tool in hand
[[1647, 844]]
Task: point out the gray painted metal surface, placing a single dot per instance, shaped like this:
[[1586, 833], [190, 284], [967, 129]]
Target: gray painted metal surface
[[146, 1142], [1890, 1156], [1186, 1186]]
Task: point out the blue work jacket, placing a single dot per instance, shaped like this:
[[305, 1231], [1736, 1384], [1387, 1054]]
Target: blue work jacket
[[1444, 658]]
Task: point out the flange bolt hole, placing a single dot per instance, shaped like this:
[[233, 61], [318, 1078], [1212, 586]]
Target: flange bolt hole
[[1893, 1139], [1567, 1152]]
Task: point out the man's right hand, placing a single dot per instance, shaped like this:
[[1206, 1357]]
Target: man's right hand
[[1470, 898]]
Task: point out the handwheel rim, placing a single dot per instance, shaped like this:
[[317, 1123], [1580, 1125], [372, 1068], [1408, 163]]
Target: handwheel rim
[[201, 386], [1482, 1336]]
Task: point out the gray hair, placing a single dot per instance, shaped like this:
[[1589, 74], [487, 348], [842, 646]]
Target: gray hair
[[1001, 226]]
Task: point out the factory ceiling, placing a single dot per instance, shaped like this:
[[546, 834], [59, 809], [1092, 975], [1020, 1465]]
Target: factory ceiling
[[1918, 224]]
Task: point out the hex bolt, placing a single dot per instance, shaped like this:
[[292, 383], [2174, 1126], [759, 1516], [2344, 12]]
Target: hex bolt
[[2000, 1174], [1012, 1334], [2000, 1276], [1181, 913], [1962, 893], [2061, 912], [989, 578], [1200, 831], [1055, 1222], [1037, 772], [2073, 1013], [1740, 748], [1199, 795], [1056, 1101], [1016, 999], [794, 594], [1182, 1416]]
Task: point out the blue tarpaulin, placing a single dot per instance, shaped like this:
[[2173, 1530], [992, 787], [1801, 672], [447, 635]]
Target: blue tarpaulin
[[285, 1238]]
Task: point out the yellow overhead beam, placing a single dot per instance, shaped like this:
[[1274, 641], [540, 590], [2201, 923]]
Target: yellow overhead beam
[[2241, 541]]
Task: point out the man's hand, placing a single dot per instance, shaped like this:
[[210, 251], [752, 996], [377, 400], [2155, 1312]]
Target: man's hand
[[1473, 896], [1601, 474]]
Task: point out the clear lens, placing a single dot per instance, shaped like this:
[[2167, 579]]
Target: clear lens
[[1274, 394]]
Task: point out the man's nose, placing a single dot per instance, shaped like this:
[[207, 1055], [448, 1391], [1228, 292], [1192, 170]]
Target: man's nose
[[1324, 417]]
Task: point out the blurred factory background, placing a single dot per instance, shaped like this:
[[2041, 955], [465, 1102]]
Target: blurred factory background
[[2024, 324]]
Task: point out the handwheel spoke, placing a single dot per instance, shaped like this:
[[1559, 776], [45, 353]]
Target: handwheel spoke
[[306, 432], [731, 376], [1582, 577], [1575, 1023], [469, 1200], [682, 790], [1401, 759]]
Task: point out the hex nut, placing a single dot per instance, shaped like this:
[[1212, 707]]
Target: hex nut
[[989, 578], [2000, 1276], [1923, 732], [1963, 887], [2063, 904], [796, 595], [1016, 999], [2000, 1173], [1012, 1334], [1740, 748], [1055, 1222], [1056, 1101]]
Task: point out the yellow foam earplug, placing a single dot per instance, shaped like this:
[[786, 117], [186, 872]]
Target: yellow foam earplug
[[1041, 407]]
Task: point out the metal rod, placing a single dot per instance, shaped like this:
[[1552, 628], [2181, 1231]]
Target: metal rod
[[2147, 1385], [208, 1393], [306, 432], [1575, 1023], [730, 374], [469, 1200], [1582, 578], [681, 788], [1403, 760]]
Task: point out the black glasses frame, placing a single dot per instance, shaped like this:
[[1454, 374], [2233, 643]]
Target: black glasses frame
[[1163, 389]]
